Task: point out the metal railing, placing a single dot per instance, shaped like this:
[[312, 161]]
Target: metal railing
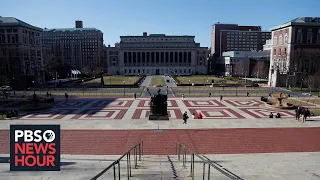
[[182, 150], [137, 153]]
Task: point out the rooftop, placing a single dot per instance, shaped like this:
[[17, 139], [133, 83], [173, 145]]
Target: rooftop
[[308, 21], [156, 35], [11, 21], [71, 30]]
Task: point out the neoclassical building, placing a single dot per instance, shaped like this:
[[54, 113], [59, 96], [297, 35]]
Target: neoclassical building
[[157, 54]]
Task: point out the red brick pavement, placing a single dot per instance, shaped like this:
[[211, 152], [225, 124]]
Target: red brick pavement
[[205, 141]]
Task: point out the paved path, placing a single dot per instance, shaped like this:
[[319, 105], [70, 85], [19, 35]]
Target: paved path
[[170, 83], [146, 81], [204, 141]]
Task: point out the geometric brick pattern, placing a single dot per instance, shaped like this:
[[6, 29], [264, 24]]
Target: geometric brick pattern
[[217, 113], [146, 103], [71, 104], [144, 113], [106, 114], [264, 113], [49, 114], [203, 103], [245, 103], [112, 104]]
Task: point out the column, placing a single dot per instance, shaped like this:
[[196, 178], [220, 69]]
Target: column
[[183, 57]]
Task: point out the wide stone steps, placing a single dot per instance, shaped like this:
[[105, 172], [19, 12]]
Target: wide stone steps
[[162, 167]]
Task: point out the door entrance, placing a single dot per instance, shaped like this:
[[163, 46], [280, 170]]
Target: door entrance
[[157, 72]]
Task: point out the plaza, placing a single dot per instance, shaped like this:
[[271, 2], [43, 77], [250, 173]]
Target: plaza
[[235, 133]]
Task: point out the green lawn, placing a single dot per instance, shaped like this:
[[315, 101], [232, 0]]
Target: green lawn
[[207, 80], [157, 81], [315, 111], [116, 80]]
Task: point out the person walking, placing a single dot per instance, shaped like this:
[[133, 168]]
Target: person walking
[[306, 113], [247, 94], [221, 98], [66, 96], [135, 96], [297, 111], [182, 97], [185, 117], [209, 94], [199, 116]]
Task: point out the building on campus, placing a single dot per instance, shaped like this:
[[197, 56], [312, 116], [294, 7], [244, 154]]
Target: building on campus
[[157, 54], [244, 64], [295, 51], [20, 53], [77, 47], [232, 37], [267, 45]]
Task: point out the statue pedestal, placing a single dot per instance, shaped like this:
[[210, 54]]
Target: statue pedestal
[[158, 111]]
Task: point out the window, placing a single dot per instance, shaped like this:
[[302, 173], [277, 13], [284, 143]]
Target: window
[[286, 38], [285, 51], [309, 36], [279, 51], [280, 40], [274, 52], [318, 36], [275, 41], [299, 37]]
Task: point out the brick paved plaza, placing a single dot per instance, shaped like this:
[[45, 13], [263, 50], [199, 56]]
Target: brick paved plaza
[[231, 129]]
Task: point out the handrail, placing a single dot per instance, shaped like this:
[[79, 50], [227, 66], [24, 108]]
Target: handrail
[[204, 160], [137, 151]]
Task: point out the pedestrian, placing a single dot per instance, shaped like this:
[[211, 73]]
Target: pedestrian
[[269, 94], [66, 96], [221, 98], [247, 94], [185, 117], [135, 96], [199, 116], [209, 94], [305, 115], [271, 115], [193, 116], [182, 97], [297, 111], [278, 115]]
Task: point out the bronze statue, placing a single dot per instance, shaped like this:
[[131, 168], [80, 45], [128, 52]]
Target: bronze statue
[[158, 106]]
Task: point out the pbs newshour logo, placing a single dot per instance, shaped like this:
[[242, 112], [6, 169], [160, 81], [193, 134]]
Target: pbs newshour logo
[[35, 148]]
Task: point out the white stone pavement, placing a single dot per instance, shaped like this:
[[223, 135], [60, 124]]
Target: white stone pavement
[[265, 166]]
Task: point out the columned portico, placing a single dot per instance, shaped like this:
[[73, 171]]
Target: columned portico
[[160, 54]]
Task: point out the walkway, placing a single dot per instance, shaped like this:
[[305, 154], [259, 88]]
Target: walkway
[[146, 81], [170, 83]]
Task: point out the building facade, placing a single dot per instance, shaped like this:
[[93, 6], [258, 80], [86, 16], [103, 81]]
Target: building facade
[[20, 52], [77, 47], [295, 51], [267, 45], [232, 37], [244, 64], [157, 54]]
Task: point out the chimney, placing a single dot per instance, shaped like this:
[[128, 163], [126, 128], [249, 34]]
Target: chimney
[[79, 24], [145, 34]]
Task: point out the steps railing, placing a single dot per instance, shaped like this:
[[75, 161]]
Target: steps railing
[[182, 150], [137, 153]]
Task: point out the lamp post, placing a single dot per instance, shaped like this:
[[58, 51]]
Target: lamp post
[[189, 86], [245, 78], [124, 88], [34, 91], [82, 86]]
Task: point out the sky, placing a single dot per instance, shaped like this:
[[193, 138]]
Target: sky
[[117, 18]]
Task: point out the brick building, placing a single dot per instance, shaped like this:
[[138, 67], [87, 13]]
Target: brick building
[[20, 53], [295, 51]]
